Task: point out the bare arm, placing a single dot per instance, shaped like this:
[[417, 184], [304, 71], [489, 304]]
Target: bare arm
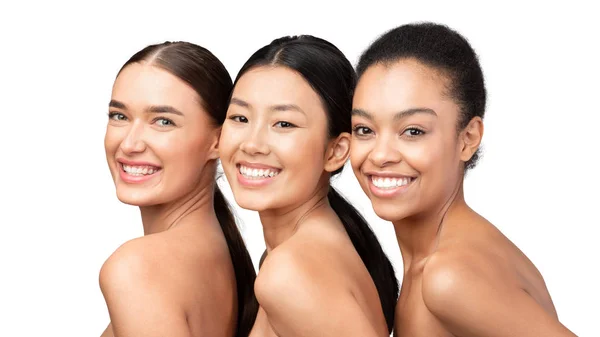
[[139, 296], [472, 302], [300, 300]]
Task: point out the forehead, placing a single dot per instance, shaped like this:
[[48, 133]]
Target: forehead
[[143, 84], [401, 85], [273, 85]]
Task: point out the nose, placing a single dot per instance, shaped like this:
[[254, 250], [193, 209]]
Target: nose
[[255, 143], [384, 153], [133, 141]]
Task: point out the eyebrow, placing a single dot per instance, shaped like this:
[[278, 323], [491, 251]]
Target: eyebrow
[[398, 115], [164, 109], [116, 104], [152, 109], [239, 102], [273, 108]]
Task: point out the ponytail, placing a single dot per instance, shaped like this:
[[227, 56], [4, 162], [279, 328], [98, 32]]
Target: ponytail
[[366, 244], [242, 265]]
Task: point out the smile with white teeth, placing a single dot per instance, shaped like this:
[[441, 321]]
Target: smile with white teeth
[[253, 173], [140, 170], [389, 183]]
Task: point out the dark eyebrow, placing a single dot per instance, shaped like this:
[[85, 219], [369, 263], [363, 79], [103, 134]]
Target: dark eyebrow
[[398, 115], [153, 109], [286, 107], [361, 113], [164, 109], [413, 111], [272, 108], [239, 102], [117, 104]]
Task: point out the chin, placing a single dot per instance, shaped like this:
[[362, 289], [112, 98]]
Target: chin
[[136, 198], [390, 212], [253, 205]]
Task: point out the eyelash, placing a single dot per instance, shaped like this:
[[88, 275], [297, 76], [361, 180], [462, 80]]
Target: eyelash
[[171, 123], [281, 124], [237, 118], [117, 116], [365, 131], [419, 130], [112, 115], [288, 125]]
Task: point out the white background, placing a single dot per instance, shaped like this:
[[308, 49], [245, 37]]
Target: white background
[[60, 218]]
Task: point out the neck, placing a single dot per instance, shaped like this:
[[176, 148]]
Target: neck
[[198, 203], [418, 235], [280, 224]]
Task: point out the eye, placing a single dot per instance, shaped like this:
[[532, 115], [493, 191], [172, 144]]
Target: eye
[[239, 119], [413, 132], [360, 130], [164, 122], [284, 124], [116, 116]]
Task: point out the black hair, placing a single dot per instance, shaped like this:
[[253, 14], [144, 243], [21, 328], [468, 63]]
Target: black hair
[[440, 47], [332, 77], [200, 69]]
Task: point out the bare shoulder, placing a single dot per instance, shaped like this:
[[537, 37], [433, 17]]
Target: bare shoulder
[[471, 255], [302, 294], [449, 275], [289, 270], [473, 293], [140, 262]]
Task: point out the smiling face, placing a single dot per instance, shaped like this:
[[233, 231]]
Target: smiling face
[[274, 139], [159, 139], [406, 151]]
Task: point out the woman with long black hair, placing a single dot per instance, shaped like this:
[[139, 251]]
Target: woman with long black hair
[[287, 132]]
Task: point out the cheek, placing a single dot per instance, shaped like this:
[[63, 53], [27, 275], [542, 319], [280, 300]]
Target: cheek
[[229, 142], [295, 150], [112, 139], [359, 151], [182, 155]]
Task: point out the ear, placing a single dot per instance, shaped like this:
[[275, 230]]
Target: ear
[[470, 138], [337, 152], [213, 151]]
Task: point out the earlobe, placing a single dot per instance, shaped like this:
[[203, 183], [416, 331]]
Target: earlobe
[[214, 148], [471, 136], [337, 152]]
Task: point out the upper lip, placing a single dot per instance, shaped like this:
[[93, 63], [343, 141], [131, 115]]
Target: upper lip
[[387, 174], [257, 165], [135, 163]]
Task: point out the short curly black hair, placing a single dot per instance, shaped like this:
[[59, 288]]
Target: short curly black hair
[[440, 47]]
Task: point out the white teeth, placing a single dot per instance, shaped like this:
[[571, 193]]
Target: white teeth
[[257, 173], [139, 170], [387, 183]]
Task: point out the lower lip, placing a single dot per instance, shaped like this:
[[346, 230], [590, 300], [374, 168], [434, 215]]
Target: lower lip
[[253, 182], [388, 192], [131, 179]]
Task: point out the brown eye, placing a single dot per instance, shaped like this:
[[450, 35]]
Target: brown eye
[[284, 124], [239, 119], [413, 132], [362, 131]]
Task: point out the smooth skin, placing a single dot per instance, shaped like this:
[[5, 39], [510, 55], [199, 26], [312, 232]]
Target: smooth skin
[[178, 279], [462, 276], [312, 281]]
